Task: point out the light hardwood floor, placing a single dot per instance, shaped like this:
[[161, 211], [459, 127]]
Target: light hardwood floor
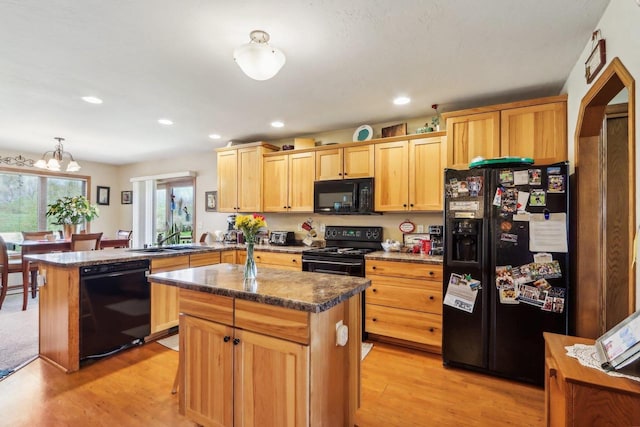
[[399, 388]]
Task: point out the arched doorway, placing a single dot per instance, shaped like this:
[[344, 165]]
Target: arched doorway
[[605, 207]]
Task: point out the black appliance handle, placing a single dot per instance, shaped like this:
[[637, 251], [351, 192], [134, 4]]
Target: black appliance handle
[[350, 264], [113, 274]]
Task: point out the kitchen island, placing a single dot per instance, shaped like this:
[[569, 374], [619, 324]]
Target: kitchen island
[[281, 350]]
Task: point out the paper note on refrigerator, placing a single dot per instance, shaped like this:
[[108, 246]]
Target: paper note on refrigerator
[[461, 293], [548, 235]]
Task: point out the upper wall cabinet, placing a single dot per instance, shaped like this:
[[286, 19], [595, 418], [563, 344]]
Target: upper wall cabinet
[[349, 162], [535, 128], [240, 177], [409, 175], [288, 182]]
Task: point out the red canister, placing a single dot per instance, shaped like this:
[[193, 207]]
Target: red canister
[[425, 246]]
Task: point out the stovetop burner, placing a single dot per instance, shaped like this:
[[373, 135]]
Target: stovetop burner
[[334, 250]]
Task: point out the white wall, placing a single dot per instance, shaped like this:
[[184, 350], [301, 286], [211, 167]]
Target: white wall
[[620, 26]]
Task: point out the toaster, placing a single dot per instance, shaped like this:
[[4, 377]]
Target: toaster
[[282, 238]]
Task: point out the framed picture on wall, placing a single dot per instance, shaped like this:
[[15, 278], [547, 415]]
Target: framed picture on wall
[[126, 197], [103, 195], [211, 201]]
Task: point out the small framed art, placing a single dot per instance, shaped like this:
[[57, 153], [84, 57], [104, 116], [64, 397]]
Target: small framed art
[[126, 197], [211, 201], [103, 195]]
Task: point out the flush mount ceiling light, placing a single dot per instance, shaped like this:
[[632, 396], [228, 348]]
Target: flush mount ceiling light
[[277, 124], [257, 59], [57, 156], [165, 122], [214, 136]]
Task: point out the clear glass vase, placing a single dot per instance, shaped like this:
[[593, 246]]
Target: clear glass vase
[[250, 268]]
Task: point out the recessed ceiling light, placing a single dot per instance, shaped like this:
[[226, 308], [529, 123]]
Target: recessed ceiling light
[[277, 124], [165, 122], [92, 99], [402, 100], [214, 136]]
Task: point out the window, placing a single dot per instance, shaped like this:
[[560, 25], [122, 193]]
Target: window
[[174, 208], [24, 198]]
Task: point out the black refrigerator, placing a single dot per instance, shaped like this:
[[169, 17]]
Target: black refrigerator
[[506, 267]]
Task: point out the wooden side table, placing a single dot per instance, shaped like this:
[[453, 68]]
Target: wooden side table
[[577, 395]]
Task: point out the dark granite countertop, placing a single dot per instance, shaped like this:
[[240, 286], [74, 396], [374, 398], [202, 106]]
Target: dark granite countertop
[[298, 290], [405, 257], [79, 259]]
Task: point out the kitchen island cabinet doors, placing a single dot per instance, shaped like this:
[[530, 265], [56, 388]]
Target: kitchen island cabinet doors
[[260, 363], [348, 162], [288, 182]]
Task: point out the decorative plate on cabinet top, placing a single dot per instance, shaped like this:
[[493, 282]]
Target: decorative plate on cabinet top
[[363, 133]]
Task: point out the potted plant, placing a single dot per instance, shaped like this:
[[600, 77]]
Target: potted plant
[[70, 211]]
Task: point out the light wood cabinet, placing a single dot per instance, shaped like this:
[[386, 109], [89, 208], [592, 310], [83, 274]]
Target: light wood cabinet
[[535, 128], [536, 131], [409, 175], [288, 182], [282, 260], [228, 257], [251, 364], [343, 163], [577, 395], [240, 177], [404, 303], [475, 135], [164, 299]]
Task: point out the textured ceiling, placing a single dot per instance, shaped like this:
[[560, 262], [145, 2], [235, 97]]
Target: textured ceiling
[[346, 61]]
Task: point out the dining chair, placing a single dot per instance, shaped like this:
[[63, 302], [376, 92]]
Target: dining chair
[[33, 267], [7, 265], [85, 241], [203, 238]]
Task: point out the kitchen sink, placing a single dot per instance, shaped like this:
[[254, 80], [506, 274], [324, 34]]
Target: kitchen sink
[[148, 250]]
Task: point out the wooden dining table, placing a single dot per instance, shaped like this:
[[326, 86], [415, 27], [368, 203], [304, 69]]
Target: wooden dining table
[[30, 247]]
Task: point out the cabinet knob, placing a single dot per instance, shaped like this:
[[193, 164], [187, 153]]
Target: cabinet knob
[[431, 273], [257, 256], [374, 290], [284, 207], [431, 329], [294, 260], [227, 338], [236, 341], [404, 206], [339, 173], [345, 174], [431, 297], [373, 267], [288, 207], [411, 205], [374, 319]]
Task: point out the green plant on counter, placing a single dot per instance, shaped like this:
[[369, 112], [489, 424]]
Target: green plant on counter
[[72, 210]]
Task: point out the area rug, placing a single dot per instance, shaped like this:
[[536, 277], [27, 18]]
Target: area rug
[[366, 348], [170, 342], [18, 333]]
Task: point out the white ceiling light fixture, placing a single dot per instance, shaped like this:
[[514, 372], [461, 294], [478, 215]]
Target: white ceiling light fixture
[[165, 122], [214, 136], [92, 99], [57, 157], [402, 100], [257, 59], [277, 124]]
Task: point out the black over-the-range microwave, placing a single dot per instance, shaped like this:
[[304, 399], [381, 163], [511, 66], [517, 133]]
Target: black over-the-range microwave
[[344, 196]]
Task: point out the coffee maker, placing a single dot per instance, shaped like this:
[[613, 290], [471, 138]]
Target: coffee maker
[[436, 236], [231, 236]]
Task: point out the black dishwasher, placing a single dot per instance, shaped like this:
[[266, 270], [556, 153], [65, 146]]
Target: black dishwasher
[[115, 307]]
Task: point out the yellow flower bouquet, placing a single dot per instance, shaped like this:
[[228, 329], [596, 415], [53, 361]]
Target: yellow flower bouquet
[[250, 225]]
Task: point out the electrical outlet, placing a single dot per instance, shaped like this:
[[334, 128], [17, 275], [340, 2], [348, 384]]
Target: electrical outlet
[[322, 228], [420, 228], [299, 226]]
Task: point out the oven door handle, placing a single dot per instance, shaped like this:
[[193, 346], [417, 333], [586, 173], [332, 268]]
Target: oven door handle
[[351, 264], [319, 270]]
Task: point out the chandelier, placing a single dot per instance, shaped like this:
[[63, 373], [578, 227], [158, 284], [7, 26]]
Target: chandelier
[[56, 158], [257, 59]]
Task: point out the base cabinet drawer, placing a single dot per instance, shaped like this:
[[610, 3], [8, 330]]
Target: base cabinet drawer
[[391, 293], [409, 325]]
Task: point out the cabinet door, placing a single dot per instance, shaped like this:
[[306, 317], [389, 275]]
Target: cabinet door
[[301, 177], [329, 164], [250, 179], [358, 161], [227, 181], [391, 176], [207, 361], [426, 174], [164, 299], [271, 378], [537, 131], [472, 136], [276, 177], [228, 257]]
